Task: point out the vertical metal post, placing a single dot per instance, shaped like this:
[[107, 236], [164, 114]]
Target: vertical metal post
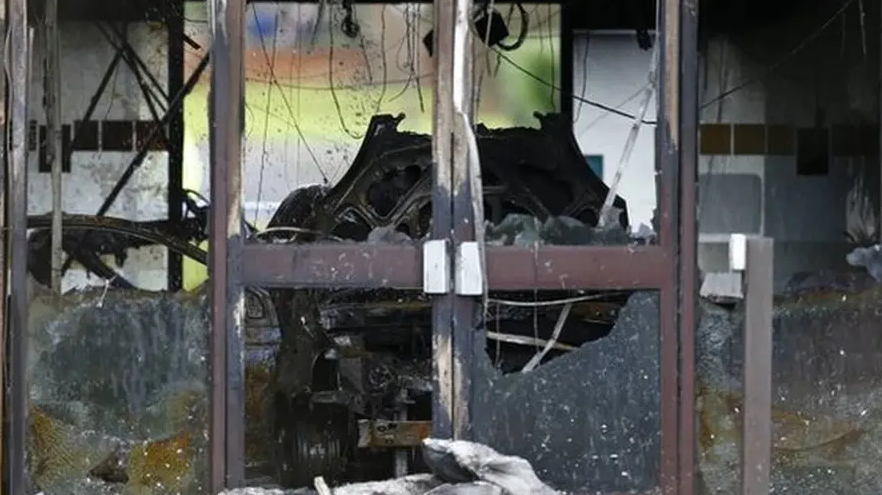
[[52, 99], [226, 435], [19, 39], [4, 251], [175, 24], [463, 218], [442, 222], [453, 316], [688, 240], [667, 146], [754, 258]]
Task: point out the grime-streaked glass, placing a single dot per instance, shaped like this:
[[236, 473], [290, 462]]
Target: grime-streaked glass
[[573, 386], [117, 376], [796, 159]]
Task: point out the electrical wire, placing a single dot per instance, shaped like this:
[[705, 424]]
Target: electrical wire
[[274, 81], [587, 101]]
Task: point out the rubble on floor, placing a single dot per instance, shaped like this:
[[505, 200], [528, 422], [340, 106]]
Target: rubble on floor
[[457, 468]]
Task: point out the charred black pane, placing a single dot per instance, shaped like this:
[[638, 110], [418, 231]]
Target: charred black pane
[[85, 135], [812, 152], [117, 135], [43, 165], [143, 130], [32, 135]]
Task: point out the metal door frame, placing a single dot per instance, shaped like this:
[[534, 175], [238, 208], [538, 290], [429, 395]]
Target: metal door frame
[[668, 267]]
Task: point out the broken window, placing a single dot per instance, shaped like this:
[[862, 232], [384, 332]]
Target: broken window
[[574, 391], [118, 390]]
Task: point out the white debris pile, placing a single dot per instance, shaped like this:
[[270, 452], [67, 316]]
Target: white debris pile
[[869, 258], [457, 468]]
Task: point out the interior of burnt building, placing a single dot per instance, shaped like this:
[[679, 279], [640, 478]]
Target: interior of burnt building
[[338, 383]]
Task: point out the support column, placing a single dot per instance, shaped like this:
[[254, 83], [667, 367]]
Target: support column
[[226, 346], [175, 25], [19, 39], [52, 99]]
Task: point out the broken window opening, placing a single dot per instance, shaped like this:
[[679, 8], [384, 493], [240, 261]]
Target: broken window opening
[[608, 385]]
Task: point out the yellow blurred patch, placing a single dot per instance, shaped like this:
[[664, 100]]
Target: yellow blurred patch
[[161, 466]]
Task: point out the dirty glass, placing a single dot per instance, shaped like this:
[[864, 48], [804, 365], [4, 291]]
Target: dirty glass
[[118, 391], [324, 368], [98, 144], [338, 121], [572, 385], [116, 366], [545, 180], [796, 159], [614, 110]]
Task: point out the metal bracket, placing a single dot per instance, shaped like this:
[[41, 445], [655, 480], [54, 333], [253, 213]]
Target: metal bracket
[[738, 252], [469, 275], [436, 267]]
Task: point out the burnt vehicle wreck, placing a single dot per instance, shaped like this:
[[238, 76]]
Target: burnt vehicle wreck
[[326, 369]]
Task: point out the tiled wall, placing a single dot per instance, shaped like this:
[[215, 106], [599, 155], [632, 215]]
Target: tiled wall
[[105, 135], [782, 181], [812, 147]]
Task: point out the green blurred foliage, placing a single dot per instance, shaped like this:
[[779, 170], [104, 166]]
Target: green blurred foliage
[[524, 93]]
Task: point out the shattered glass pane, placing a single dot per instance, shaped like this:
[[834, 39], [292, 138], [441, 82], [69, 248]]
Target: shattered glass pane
[[826, 393], [575, 395], [118, 392]]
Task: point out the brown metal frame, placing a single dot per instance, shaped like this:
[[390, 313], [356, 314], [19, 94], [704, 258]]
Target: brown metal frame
[[20, 41], [756, 436], [668, 267]]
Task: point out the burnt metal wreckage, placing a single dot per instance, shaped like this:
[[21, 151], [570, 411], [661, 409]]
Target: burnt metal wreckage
[[328, 372]]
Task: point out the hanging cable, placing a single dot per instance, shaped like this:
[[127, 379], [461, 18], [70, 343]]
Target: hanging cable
[[522, 35]]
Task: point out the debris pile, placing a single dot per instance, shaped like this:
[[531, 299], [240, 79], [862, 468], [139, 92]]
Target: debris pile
[[457, 468]]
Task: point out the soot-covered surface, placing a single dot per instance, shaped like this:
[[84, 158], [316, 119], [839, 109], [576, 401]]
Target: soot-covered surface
[[826, 392], [588, 420]]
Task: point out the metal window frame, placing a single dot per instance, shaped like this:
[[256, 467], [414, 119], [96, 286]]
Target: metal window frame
[[668, 267]]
